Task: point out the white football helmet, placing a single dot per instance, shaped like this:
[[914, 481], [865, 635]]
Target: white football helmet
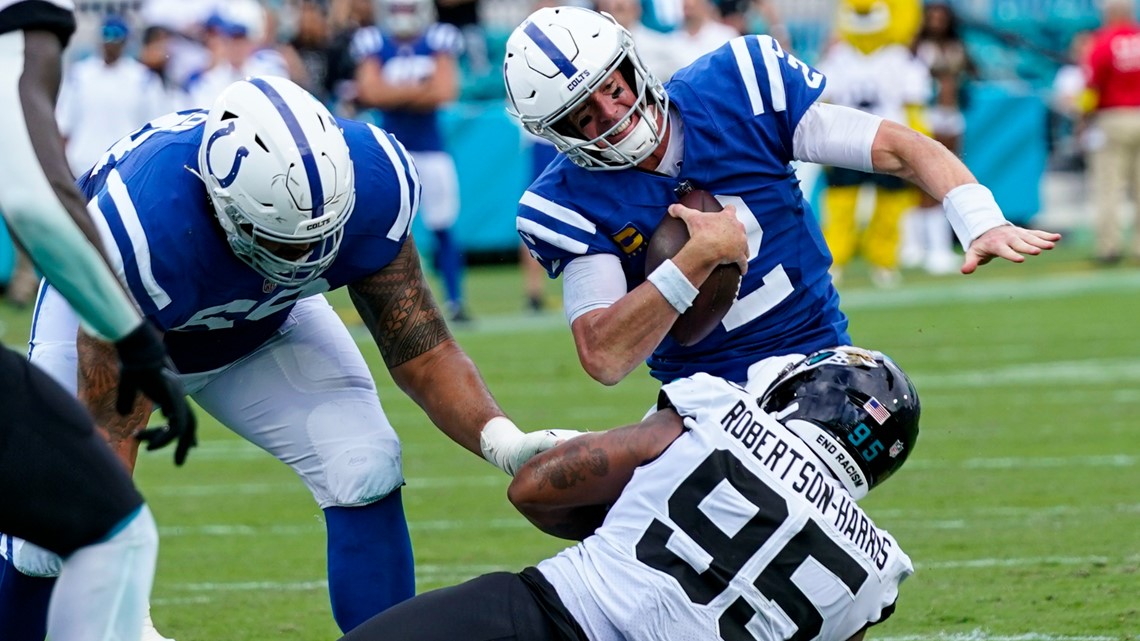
[[278, 172], [406, 18], [555, 59]]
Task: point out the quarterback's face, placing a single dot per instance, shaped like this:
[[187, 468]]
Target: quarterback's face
[[610, 105]]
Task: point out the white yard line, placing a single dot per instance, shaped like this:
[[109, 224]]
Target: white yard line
[[447, 574], [980, 635]]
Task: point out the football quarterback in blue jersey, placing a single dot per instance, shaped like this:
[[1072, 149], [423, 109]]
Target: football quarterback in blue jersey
[[730, 123], [227, 225], [408, 69]]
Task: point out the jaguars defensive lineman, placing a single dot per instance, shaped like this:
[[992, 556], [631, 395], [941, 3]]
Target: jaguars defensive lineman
[[731, 515], [227, 225], [731, 123], [64, 487]]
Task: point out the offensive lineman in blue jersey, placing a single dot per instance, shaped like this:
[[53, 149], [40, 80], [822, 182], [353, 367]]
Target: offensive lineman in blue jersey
[[227, 225], [730, 123], [408, 70]]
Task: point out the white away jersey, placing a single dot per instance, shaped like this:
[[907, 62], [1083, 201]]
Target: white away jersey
[[736, 531]]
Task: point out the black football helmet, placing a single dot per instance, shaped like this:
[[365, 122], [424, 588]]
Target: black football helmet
[[854, 407]]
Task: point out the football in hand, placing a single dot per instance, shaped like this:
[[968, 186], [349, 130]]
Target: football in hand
[[719, 290]]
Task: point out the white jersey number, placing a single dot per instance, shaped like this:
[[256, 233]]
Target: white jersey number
[[777, 286], [224, 316], [727, 555]]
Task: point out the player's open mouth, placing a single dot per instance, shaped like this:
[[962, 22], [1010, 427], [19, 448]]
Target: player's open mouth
[[618, 131]]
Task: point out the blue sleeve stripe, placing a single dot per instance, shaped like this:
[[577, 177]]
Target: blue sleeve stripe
[[748, 74], [558, 212], [772, 53], [550, 237], [136, 239], [406, 177]]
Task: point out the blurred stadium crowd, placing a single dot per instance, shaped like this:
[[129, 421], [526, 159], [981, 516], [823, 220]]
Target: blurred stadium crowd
[[176, 54]]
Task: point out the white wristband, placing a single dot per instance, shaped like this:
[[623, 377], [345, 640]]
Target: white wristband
[[673, 285], [496, 440], [972, 211]]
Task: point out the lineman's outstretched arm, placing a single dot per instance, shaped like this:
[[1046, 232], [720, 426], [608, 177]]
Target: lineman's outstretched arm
[[566, 491], [399, 310]]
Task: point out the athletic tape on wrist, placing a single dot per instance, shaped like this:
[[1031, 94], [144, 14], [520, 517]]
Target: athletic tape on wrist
[[495, 439], [674, 286], [972, 211]]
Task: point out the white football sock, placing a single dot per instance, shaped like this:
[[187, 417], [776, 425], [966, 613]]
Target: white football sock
[[104, 588]]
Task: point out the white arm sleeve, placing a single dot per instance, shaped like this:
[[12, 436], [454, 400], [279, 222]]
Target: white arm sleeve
[[836, 136], [591, 282]]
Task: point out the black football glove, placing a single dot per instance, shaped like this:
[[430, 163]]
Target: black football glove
[[147, 369]]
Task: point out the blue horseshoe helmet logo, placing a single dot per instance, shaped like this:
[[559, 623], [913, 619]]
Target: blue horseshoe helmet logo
[[242, 152]]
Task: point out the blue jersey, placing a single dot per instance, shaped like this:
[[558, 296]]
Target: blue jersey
[[739, 107], [168, 247], [411, 62]]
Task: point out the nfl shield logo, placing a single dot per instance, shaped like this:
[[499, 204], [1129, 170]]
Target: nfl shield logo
[[268, 286], [896, 449]]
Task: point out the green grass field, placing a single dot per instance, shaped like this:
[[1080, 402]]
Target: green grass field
[[1020, 506]]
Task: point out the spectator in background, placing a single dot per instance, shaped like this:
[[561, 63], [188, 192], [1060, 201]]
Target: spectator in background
[[658, 50], [755, 16], [236, 35], [346, 17], [1114, 76], [312, 45], [464, 14], [700, 33], [1072, 134], [105, 97], [408, 69], [156, 54], [926, 234]]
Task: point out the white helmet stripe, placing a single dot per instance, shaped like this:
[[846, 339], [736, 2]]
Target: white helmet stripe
[[307, 159]]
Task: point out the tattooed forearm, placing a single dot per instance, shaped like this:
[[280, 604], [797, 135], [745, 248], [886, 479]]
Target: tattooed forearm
[[578, 464], [99, 386], [397, 306]]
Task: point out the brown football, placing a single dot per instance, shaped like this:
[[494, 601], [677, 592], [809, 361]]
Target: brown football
[[716, 294]]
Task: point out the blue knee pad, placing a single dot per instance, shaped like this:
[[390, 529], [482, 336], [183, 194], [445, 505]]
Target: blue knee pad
[[370, 560], [23, 604]]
